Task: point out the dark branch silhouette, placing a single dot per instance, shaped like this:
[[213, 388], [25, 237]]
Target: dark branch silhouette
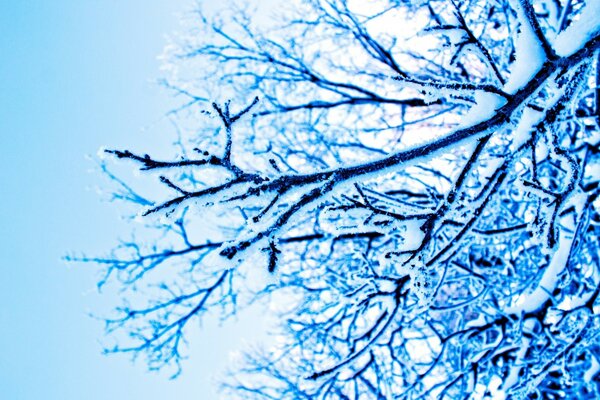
[[419, 179]]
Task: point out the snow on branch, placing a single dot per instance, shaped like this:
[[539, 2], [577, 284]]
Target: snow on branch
[[416, 201]]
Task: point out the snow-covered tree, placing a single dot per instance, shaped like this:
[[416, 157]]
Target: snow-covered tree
[[410, 186]]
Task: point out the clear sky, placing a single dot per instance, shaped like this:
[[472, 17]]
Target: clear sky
[[75, 75]]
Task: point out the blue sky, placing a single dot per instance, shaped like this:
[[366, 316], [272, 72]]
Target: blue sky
[[75, 75]]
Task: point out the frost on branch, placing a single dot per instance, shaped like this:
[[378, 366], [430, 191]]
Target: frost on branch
[[418, 207]]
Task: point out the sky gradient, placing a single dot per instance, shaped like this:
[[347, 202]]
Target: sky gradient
[[76, 75]]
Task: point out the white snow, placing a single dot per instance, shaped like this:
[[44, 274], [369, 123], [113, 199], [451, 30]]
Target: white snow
[[594, 368], [533, 301], [579, 32], [484, 109], [495, 388], [529, 118], [529, 54]]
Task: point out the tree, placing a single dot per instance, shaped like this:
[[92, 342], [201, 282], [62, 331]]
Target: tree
[[412, 185]]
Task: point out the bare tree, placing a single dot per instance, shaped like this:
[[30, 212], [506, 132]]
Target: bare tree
[[413, 185]]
